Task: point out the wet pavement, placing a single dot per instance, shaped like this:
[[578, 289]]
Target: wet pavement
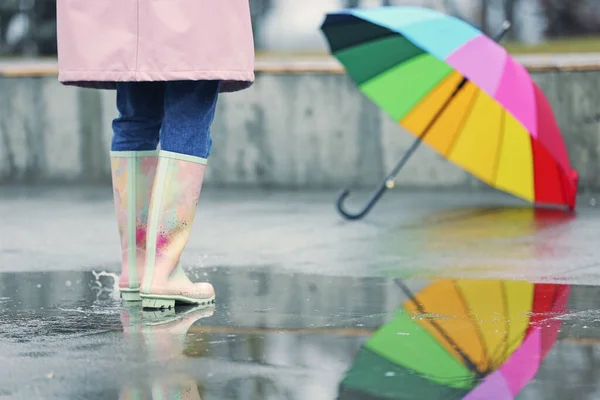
[[308, 306]]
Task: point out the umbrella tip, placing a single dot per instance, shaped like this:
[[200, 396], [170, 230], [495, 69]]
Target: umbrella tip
[[575, 177], [506, 25]]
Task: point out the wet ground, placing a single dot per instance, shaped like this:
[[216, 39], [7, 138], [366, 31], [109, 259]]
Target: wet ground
[[436, 296]]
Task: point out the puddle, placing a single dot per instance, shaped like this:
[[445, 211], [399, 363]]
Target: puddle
[[273, 335]]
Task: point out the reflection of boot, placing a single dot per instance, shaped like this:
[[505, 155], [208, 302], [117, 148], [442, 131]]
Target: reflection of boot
[[176, 390], [165, 331], [175, 196], [132, 176], [131, 320], [163, 334]]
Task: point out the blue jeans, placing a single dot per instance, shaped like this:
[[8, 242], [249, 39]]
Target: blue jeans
[[178, 114]]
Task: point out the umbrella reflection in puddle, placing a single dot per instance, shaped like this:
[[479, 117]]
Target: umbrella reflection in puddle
[[482, 242], [459, 339]]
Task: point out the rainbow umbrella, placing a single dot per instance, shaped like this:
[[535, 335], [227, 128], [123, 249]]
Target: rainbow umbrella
[[459, 339], [460, 92]]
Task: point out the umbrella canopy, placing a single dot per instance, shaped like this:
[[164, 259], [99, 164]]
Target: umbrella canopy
[[459, 339], [461, 93]]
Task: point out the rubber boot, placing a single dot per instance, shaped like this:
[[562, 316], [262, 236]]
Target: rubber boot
[[133, 175], [175, 196]]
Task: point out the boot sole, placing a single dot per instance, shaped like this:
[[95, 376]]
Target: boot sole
[[166, 316], [159, 301], [130, 295]]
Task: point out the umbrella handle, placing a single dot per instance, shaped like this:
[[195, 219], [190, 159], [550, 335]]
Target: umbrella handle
[[387, 183], [365, 210]]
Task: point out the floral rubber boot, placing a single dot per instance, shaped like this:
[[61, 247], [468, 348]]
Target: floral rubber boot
[[133, 175], [175, 196]]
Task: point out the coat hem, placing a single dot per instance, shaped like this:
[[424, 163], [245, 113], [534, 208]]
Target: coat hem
[[231, 81]]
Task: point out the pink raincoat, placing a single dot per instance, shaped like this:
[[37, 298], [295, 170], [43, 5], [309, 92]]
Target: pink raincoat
[[101, 42]]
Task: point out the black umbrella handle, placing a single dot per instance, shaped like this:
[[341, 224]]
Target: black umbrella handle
[[387, 183], [365, 210]]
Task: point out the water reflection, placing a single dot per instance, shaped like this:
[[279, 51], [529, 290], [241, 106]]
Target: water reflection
[[161, 335], [275, 336], [523, 228], [469, 339], [472, 242]]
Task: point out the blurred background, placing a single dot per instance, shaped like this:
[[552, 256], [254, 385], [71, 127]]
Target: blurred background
[[285, 131], [28, 27]]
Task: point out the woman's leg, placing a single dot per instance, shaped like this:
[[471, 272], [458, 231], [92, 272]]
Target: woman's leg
[[185, 147], [133, 163], [189, 113]]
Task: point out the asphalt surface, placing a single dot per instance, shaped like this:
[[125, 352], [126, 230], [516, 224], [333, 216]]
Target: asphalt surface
[[426, 234], [299, 292]]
